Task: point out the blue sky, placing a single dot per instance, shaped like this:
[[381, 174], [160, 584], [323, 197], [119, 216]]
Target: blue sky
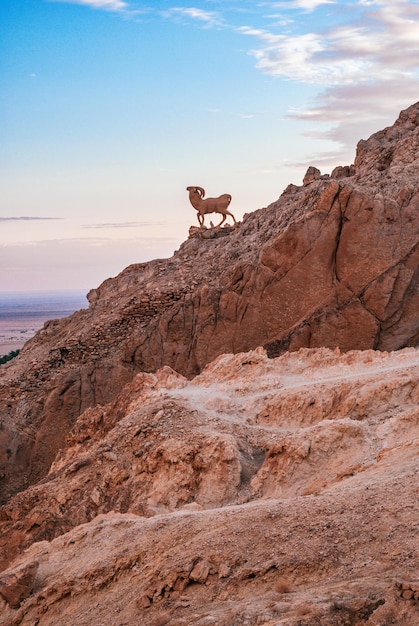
[[110, 108]]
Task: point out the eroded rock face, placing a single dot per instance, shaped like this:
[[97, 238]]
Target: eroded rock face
[[264, 491], [333, 262]]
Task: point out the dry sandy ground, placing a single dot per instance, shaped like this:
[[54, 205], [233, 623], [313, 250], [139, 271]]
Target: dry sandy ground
[[14, 334]]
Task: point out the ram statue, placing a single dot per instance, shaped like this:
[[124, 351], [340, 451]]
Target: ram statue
[[209, 205]]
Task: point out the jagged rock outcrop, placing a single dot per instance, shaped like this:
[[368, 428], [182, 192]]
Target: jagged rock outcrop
[[264, 491], [331, 263]]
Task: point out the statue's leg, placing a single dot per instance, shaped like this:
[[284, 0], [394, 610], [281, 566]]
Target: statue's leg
[[231, 215], [223, 220]]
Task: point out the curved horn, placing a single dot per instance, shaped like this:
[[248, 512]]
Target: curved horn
[[201, 191]]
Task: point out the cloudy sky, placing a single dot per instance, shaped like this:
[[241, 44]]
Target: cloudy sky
[[110, 108]]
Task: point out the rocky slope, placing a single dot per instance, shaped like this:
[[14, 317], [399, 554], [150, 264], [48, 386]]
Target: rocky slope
[[265, 491], [142, 481], [331, 263]]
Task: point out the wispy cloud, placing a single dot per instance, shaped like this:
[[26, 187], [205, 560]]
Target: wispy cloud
[[290, 56], [367, 69], [381, 45], [77, 262], [106, 5], [306, 5], [209, 18], [123, 225], [26, 218], [348, 113]]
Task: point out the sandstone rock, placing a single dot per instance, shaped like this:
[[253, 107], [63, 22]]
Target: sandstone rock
[[227, 419], [343, 171], [311, 175], [303, 469], [200, 572], [330, 263], [17, 584]]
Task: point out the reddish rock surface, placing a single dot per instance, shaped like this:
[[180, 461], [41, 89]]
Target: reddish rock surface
[[261, 475], [331, 263], [265, 491]]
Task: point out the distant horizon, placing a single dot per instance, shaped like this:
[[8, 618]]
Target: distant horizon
[[23, 313], [45, 291]]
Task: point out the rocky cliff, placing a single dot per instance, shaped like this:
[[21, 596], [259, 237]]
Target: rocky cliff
[[331, 263], [264, 491], [259, 455]]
